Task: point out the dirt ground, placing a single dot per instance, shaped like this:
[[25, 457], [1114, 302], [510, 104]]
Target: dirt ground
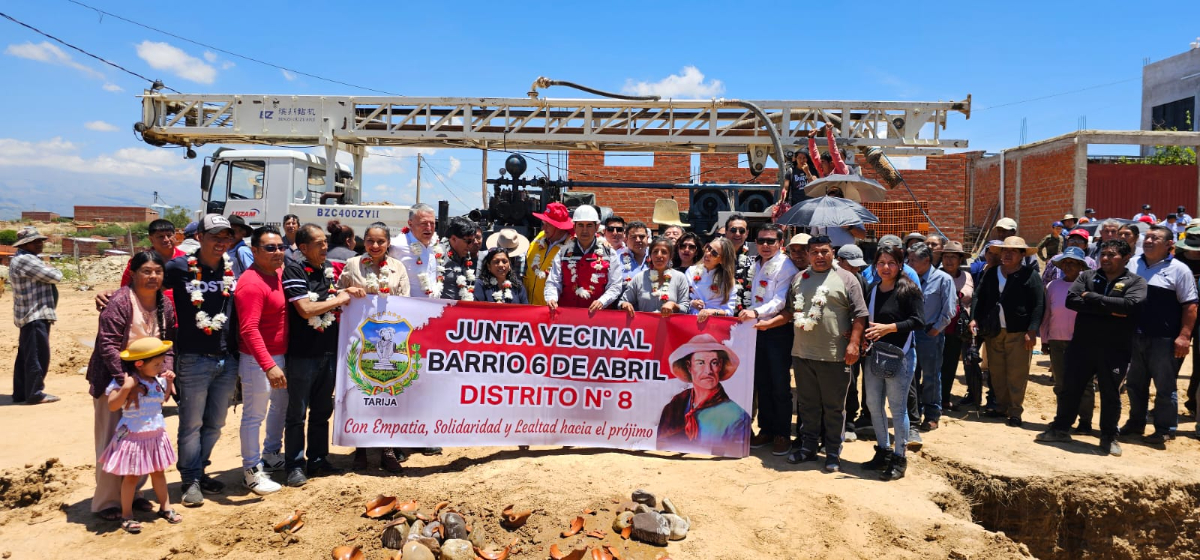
[[974, 476]]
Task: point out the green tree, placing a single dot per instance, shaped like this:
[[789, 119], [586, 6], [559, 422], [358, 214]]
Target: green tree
[[8, 236], [179, 216]]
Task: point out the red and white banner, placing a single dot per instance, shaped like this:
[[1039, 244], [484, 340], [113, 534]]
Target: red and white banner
[[421, 372]]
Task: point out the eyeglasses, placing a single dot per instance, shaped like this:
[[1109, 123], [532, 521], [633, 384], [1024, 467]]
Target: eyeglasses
[[737, 230], [688, 246], [273, 248], [766, 240], [711, 251], [615, 229]]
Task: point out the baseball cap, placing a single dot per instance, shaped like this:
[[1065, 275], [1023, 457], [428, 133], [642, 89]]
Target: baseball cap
[[1081, 233], [1006, 223], [853, 255], [1090, 211], [1180, 209], [1056, 224], [890, 239], [799, 239], [1145, 207], [191, 228], [214, 223], [1146, 219]]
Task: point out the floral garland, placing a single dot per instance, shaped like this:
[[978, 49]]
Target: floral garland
[[324, 320], [597, 265], [663, 291], [697, 271], [536, 261], [431, 281], [379, 282], [808, 321], [503, 291], [205, 323], [464, 275], [760, 291]]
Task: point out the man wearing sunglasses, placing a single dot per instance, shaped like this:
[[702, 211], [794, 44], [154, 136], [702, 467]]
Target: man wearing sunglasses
[[768, 294], [614, 232], [736, 231]]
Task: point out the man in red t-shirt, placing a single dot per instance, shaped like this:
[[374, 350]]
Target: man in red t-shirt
[[162, 241], [262, 339]]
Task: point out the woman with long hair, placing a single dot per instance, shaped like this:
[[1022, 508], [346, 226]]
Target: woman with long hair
[[658, 289], [498, 282], [136, 311], [711, 281], [687, 252], [376, 273], [896, 309]]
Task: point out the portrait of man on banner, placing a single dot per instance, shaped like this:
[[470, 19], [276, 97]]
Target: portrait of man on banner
[[702, 418]]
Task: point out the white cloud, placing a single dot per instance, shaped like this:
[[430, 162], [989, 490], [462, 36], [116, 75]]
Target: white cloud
[[63, 155], [454, 167], [288, 75], [210, 56], [100, 126], [112, 87], [50, 54], [162, 56], [688, 84]]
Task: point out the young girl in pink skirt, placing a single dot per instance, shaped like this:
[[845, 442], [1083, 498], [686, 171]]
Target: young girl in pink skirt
[[140, 445]]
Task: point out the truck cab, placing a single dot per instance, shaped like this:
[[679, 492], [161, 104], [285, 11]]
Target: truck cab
[[262, 185]]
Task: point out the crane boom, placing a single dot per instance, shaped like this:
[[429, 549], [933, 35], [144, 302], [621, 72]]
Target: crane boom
[[353, 123]]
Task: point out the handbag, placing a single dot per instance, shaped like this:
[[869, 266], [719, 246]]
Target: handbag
[[886, 359]]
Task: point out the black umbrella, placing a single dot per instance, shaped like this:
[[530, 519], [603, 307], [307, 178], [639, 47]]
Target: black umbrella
[[827, 211]]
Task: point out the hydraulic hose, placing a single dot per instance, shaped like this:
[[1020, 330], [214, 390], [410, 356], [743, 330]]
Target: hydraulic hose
[[544, 82]]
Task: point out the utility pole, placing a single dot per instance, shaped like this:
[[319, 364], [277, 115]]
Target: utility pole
[[483, 182], [418, 177]]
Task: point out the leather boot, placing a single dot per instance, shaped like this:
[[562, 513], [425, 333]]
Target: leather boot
[[880, 461], [360, 460], [896, 468], [389, 462]]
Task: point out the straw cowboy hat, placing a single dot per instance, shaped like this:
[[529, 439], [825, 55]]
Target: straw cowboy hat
[[666, 213], [1013, 242], [702, 343], [144, 348], [508, 239], [952, 247], [28, 235]]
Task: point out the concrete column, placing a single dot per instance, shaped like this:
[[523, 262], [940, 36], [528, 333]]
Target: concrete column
[[1081, 149]]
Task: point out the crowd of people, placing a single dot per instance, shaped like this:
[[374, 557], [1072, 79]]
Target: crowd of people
[[868, 343]]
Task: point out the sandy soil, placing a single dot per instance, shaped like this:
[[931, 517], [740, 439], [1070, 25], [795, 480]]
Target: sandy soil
[[1064, 500]]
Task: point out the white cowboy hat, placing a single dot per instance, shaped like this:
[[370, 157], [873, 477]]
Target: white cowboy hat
[[702, 343], [508, 239]]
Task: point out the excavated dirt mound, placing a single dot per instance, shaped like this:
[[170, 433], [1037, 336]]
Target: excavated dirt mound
[[34, 490], [1087, 516]]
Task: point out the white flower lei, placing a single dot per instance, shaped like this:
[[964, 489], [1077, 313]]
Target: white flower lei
[[210, 324], [503, 293], [663, 291], [808, 321], [536, 261], [228, 283], [379, 282], [572, 261], [323, 321]]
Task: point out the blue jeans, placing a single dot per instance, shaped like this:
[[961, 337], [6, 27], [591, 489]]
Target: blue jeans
[[1153, 359], [895, 390], [310, 390], [206, 386], [260, 401], [929, 355]]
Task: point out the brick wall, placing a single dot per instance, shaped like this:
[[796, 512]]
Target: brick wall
[[1039, 187], [942, 186], [629, 203], [39, 216], [114, 214]]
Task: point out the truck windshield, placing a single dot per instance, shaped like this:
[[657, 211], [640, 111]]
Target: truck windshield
[[246, 179]]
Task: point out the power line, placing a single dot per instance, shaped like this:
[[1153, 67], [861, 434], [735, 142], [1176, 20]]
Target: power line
[[1059, 94], [438, 176], [70, 46], [230, 53]]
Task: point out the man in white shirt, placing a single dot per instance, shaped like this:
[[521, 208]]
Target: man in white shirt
[[772, 275], [417, 249], [633, 257]]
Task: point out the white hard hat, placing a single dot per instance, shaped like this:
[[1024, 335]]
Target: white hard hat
[[586, 213]]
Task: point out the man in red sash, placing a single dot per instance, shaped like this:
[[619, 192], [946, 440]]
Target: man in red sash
[[585, 272]]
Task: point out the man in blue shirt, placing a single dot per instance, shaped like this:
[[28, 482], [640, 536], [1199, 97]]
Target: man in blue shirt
[[940, 296]]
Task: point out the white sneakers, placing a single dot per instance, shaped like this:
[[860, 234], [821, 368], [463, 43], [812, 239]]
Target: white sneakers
[[258, 481], [272, 462]]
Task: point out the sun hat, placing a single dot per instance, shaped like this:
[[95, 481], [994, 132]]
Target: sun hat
[[1006, 223], [144, 348], [1068, 217], [1191, 240], [914, 236], [952, 247], [1012, 242], [799, 239], [510, 240], [556, 215], [238, 223], [28, 234], [1071, 253], [853, 255], [702, 343], [1081, 233], [586, 213], [666, 213]]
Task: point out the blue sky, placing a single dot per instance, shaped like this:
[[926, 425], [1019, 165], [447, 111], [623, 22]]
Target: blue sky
[[65, 125]]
